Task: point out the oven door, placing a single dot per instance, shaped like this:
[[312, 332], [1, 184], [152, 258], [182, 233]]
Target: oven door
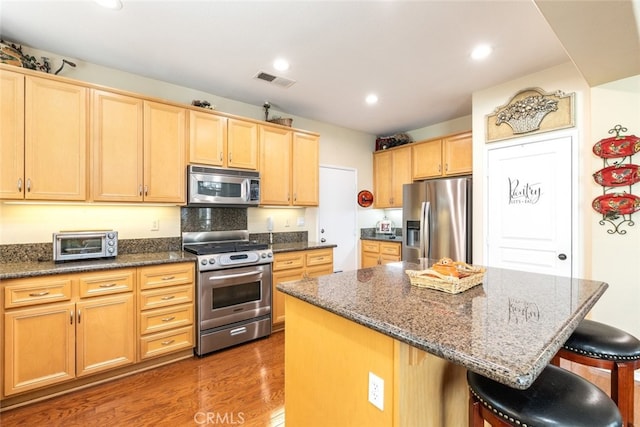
[[233, 295]]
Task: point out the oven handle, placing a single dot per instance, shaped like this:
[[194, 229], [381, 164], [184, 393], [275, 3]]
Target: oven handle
[[233, 276]]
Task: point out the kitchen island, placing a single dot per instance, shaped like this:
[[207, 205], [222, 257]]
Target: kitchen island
[[420, 342]]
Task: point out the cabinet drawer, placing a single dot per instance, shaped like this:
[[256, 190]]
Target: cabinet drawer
[[320, 270], [42, 290], [319, 257], [109, 282], [166, 342], [163, 297], [166, 275], [288, 261], [369, 246], [390, 249], [166, 318]]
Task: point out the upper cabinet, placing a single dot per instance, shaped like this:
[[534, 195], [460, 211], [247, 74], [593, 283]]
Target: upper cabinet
[[117, 147], [451, 155], [391, 170], [219, 141], [44, 145], [289, 167], [138, 150], [165, 133]]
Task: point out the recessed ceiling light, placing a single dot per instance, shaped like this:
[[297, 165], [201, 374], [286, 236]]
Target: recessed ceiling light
[[110, 4], [281, 64], [371, 99], [481, 52]]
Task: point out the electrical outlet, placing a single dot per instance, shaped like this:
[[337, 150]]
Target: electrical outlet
[[376, 391], [155, 225]]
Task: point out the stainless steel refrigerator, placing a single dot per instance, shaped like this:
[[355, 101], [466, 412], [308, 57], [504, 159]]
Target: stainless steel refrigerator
[[436, 217]]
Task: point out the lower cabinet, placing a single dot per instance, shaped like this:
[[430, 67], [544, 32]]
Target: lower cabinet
[[288, 266], [60, 329], [374, 252]]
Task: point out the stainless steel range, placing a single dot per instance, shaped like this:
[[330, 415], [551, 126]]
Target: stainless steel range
[[233, 288]]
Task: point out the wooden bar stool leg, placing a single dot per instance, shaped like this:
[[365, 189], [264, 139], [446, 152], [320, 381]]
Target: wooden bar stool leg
[[475, 412], [622, 391]]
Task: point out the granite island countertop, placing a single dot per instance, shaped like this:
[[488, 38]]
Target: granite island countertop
[[18, 270], [508, 328]]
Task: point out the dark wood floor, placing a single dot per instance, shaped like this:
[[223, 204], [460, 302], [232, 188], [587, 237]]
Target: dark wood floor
[[239, 386]]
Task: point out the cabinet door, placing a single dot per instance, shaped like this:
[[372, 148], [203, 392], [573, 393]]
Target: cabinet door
[[401, 174], [458, 157], [242, 144], [207, 138], [164, 153], [55, 140], [427, 159], [11, 135], [305, 169], [277, 300], [275, 166], [117, 156], [105, 330], [383, 179], [369, 259], [39, 347]]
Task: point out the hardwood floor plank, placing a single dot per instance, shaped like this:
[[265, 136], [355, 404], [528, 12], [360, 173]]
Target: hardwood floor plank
[[243, 385]]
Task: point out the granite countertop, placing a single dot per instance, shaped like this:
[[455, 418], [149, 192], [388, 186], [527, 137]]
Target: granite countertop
[[383, 237], [41, 268], [299, 246], [507, 329]]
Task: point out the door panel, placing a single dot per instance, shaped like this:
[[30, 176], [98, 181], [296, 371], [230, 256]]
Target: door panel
[[529, 193]]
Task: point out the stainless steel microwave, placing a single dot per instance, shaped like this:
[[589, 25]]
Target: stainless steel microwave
[[78, 245], [209, 186]]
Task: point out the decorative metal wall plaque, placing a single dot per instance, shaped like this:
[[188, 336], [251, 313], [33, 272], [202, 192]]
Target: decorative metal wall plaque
[[531, 111]]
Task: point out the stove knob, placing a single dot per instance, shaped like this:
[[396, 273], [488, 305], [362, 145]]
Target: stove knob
[[203, 262], [212, 261], [270, 255], [263, 255]]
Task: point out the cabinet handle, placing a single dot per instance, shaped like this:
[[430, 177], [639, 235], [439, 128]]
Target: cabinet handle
[[78, 316], [168, 277], [167, 342], [140, 190], [168, 297], [20, 185], [439, 168], [446, 167], [28, 185], [71, 317], [39, 294], [295, 197], [108, 285], [288, 197], [146, 190], [230, 157], [168, 319], [221, 156]]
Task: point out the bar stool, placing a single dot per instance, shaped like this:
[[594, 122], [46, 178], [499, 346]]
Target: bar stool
[[602, 346], [556, 398]]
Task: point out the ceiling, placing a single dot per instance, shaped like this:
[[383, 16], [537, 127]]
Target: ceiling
[[413, 54]]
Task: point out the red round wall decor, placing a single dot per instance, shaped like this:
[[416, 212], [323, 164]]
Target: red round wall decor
[[365, 198]]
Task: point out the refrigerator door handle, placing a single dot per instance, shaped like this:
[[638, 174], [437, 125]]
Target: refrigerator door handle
[[424, 229]]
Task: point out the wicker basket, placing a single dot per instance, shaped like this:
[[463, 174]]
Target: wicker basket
[[281, 121], [471, 276]]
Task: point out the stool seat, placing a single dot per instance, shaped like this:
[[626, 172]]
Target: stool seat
[[600, 341], [556, 398]]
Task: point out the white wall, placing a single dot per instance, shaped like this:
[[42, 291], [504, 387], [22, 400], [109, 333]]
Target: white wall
[[615, 258]]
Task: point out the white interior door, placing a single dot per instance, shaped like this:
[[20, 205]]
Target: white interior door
[[337, 219], [529, 206]]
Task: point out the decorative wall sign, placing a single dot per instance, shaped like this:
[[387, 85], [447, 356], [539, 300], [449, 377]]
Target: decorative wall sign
[[617, 206], [530, 111]]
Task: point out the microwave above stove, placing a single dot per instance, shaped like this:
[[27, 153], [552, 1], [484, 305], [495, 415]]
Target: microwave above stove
[[79, 245], [207, 186]]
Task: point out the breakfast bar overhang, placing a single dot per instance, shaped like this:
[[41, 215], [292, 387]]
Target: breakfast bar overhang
[[420, 342]]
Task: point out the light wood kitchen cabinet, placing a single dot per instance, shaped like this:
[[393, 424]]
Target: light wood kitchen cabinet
[[448, 156], [44, 139], [117, 145], [217, 141], [242, 144], [374, 253], [164, 153], [296, 265], [48, 342], [289, 167], [391, 170], [11, 135], [166, 309]]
